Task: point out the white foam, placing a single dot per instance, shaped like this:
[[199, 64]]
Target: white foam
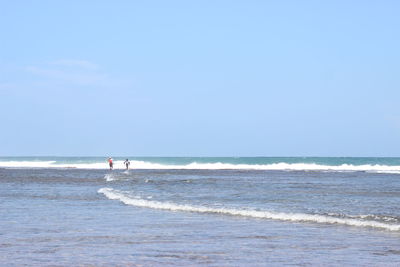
[[26, 164], [109, 177], [294, 217], [136, 164]]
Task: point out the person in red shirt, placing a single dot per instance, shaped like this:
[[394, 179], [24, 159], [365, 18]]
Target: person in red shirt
[[110, 162]]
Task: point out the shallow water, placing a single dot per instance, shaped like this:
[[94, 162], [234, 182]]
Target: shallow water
[[183, 217]]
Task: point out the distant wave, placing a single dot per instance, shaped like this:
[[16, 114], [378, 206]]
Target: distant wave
[[27, 164], [135, 164], [294, 217]]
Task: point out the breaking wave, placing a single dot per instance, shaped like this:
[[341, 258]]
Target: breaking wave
[[136, 164], [294, 217]]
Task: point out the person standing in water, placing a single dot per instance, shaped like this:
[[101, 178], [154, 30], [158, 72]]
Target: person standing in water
[[110, 162], [127, 163]]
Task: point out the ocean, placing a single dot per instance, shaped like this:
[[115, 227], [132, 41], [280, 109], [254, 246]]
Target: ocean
[[199, 211]]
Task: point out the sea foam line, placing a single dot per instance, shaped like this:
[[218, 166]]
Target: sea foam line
[[294, 217], [136, 164]]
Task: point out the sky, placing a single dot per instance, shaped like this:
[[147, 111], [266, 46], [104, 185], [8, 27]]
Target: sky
[[200, 78]]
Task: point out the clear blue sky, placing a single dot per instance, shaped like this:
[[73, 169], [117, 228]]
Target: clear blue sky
[[200, 78]]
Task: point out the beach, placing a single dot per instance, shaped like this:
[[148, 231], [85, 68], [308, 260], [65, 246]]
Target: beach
[[59, 216]]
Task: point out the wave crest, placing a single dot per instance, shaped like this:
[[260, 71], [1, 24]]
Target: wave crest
[[294, 217], [282, 166]]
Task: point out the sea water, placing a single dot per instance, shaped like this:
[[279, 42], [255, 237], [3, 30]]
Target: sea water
[[200, 211]]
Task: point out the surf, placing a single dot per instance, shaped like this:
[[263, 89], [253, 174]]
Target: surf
[[281, 166], [113, 194]]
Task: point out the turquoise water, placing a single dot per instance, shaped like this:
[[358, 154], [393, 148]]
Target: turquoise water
[[332, 161]]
